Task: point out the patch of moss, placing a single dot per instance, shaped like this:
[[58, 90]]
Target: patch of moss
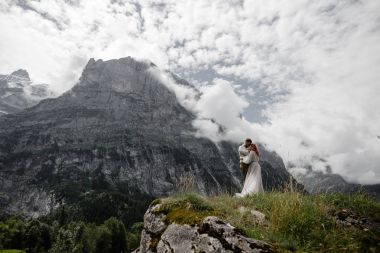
[[186, 216], [189, 201]]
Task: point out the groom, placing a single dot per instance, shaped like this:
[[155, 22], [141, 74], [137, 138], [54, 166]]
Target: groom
[[244, 151]]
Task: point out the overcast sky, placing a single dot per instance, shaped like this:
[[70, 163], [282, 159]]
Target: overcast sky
[[305, 75]]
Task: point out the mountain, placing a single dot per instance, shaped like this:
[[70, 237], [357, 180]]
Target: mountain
[[119, 130], [318, 182], [18, 92]]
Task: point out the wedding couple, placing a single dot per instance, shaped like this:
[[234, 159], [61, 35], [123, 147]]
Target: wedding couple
[[249, 165]]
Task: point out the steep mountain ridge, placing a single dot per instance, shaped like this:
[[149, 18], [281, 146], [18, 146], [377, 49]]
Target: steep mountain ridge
[[118, 129]]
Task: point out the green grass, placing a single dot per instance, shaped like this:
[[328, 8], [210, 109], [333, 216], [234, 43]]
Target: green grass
[[297, 223]]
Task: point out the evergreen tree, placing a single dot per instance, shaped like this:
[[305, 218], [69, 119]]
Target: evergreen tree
[[103, 240], [37, 236], [118, 235]]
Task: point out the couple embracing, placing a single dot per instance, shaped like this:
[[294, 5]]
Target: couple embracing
[[250, 167]]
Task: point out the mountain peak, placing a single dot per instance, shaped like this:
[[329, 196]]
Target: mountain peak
[[121, 75], [125, 61], [21, 73], [18, 92]]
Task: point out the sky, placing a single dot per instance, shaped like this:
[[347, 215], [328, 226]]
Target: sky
[[302, 77]]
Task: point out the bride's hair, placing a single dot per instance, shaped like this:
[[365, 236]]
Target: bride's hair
[[256, 149]]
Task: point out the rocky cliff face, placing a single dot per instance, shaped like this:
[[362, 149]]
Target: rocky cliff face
[[17, 92], [118, 129]]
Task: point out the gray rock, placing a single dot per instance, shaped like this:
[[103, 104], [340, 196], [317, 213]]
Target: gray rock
[[213, 235], [147, 242], [181, 238], [178, 238], [186, 239], [258, 217], [153, 222], [207, 243], [231, 238], [347, 217]]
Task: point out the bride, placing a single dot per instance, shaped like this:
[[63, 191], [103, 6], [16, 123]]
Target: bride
[[253, 182]]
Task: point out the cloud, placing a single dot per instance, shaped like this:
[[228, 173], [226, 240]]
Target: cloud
[[306, 72]]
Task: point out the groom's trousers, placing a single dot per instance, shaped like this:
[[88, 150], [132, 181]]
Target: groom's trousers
[[244, 169]]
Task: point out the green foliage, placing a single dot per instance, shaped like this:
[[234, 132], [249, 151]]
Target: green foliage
[[34, 236], [98, 206], [76, 237], [134, 235], [103, 240], [69, 238], [82, 225], [118, 234], [11, 230], [37, 236], [188, 208], [81, 238]]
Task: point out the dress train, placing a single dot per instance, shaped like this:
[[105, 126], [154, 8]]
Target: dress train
[[253, 182]]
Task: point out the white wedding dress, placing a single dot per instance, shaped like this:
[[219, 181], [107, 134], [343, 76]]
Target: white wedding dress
[[253, 182]]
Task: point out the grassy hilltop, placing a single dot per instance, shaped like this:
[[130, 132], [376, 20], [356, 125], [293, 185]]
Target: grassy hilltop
[[294, 222]]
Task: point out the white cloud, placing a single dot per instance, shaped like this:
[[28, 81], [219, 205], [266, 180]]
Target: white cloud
[[312, 64]]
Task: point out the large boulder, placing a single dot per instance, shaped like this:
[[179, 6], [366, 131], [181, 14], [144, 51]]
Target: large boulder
[[212, 235]]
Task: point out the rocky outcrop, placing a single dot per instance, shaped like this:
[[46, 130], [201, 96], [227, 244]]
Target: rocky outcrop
[[347, 217], [212, 235]]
